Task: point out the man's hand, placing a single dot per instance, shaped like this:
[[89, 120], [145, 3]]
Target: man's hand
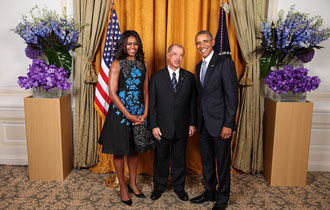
[[226, 132], [192, 130], [157, 134]]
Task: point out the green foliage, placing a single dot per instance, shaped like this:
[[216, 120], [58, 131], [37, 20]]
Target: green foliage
[[60, 57]]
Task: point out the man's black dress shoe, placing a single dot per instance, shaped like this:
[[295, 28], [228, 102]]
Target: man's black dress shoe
[[128, 203], [141, 195], [155, 195], [219, 206], [206, 196], [182, 195]]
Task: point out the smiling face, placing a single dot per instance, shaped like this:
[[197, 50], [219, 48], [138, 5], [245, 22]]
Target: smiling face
[[175, 57], [204, 44], [131, 47]]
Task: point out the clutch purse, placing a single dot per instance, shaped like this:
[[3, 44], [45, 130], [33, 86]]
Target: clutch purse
[[143, 138]]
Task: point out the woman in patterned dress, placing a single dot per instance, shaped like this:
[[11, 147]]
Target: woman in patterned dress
[[128, 85]]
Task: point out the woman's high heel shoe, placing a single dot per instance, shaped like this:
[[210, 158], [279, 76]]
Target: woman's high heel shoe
[[129, 202], [141, 195]]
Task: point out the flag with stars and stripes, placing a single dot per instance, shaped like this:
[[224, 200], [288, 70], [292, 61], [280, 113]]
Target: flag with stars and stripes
[[102, 99]]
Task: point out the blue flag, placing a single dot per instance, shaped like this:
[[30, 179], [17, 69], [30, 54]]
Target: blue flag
[[222, 46]]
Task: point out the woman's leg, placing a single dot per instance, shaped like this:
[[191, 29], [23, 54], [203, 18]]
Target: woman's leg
[[119, 166], [132, 161]]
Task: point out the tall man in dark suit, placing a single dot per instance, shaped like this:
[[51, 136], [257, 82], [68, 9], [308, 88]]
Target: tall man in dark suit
[[172, 118], [217, 88]]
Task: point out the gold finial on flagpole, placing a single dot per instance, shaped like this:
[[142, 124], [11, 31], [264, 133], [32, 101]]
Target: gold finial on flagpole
[[112, 3], [225, 6]]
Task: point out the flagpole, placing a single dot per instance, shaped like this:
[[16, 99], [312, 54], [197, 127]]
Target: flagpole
[[221, 30], [112, 181]]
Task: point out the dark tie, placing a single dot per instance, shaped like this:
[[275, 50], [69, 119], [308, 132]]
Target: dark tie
[[174, 82], [203, 72]]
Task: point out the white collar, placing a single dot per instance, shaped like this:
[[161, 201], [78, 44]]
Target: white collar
[[208, 58], [177, 71]]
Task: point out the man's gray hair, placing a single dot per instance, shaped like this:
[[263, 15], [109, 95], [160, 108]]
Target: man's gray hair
[[175, 45]]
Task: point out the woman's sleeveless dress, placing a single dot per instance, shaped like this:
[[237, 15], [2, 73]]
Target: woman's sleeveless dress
[[117, 133]]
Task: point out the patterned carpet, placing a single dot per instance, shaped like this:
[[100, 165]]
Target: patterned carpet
[[83, 189]]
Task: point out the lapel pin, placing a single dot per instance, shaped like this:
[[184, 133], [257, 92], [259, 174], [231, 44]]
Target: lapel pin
[[212, 65]]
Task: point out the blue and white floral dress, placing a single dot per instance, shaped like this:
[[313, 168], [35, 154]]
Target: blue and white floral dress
[[117, 133]]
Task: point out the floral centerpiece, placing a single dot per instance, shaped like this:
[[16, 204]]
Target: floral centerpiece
[[50, 41], [290, 39], [291, 83]]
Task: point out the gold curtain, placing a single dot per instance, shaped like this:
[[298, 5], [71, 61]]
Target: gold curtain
[[94, 13], [248, 154], [161, 23]]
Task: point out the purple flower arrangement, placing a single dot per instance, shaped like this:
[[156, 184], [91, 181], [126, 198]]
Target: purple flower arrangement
[[50, 40], [32, 53], [46, 76], [306, 57], [291, 79], [290, 39], [48, 30]]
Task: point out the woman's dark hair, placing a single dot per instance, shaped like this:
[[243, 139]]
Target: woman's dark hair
[[122, 42]]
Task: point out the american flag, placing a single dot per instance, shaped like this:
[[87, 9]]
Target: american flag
[[102, 99]]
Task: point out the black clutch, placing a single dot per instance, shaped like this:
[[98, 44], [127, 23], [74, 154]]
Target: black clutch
[[143, 138]]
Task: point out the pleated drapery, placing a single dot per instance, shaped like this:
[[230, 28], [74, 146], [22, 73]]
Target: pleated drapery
[[248, 154], [161, 23], [93, 14]]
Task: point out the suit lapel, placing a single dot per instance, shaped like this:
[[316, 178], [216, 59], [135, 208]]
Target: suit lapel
[[168, 79], [198, 70], [181, 80], [210, 69]]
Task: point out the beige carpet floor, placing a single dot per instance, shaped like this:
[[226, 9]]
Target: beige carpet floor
[[83, 189]]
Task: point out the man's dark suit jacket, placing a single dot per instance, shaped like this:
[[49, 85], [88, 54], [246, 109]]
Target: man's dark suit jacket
[[173, 112], [219, 97]]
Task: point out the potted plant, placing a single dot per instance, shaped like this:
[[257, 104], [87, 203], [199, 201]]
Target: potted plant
[[290, 40], [291, 84], [50, 40]]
